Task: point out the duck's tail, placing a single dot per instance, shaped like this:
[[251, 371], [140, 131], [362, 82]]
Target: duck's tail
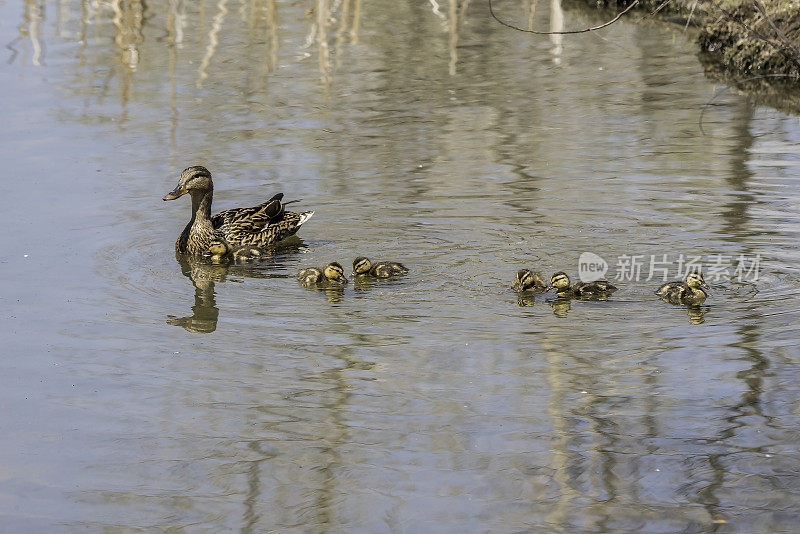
[[306, 215]]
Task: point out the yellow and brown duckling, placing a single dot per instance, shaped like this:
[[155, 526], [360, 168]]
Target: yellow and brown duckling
[[690, 291], [599, 289], [383, 269], [259, 226], [528, 280], [220, 251], [333, 273]]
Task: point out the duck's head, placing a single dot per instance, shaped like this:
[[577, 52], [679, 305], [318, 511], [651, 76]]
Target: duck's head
[[361, 265], [525, 280], [335, 273], [695, 279], [559, 281], [192, 179]]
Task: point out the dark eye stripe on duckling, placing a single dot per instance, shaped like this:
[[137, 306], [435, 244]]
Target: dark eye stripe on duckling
[[337, 269], [361, 265]]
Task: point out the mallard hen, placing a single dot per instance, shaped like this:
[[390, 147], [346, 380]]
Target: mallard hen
[[259, 226]]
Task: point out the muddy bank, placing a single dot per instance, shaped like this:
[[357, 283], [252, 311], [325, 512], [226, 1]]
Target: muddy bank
[[738, 40]]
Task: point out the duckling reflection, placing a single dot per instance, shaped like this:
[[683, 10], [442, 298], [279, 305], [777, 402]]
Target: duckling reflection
[[697, 315], [598, 290], [331, 275], [383, 269], [333, 292], [690, 291], [528, 280], [560, 307]]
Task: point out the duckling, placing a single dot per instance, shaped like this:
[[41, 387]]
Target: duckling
[[331, 273], [219, 250], [528, 280], [588, 290], [382, 269], [690, 291]]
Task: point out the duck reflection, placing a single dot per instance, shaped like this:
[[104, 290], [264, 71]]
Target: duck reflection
[[560, 306], [333, 293], [697, 315], [205, 273], [363, 283]]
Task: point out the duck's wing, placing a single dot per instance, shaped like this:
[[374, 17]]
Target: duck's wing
[[246, 232], [251, 226], [309, 276], [385, 269], [255, 216], [668, 288], [606, 286]]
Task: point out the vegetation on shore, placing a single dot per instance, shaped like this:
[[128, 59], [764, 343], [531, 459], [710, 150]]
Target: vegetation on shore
[[748, 38]]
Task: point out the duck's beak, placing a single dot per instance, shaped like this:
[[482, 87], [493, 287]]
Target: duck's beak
[[175, 193], [705, 286], [516, 286]]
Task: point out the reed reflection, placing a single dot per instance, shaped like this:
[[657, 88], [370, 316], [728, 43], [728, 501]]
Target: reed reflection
[[315, 459], [269, 12], [32, 16], [175, 22], [213, 41], [556, 25]]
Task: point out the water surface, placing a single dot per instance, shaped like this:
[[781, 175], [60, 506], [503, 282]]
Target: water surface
[[141, 392]]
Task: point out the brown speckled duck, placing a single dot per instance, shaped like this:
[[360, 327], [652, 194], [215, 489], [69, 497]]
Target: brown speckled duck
[[219, 251], [690, 291], [331, 274], [259, 226], [600, 289], [382, 269], [528, 280]]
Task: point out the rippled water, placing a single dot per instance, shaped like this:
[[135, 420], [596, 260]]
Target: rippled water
[[141, 392]]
